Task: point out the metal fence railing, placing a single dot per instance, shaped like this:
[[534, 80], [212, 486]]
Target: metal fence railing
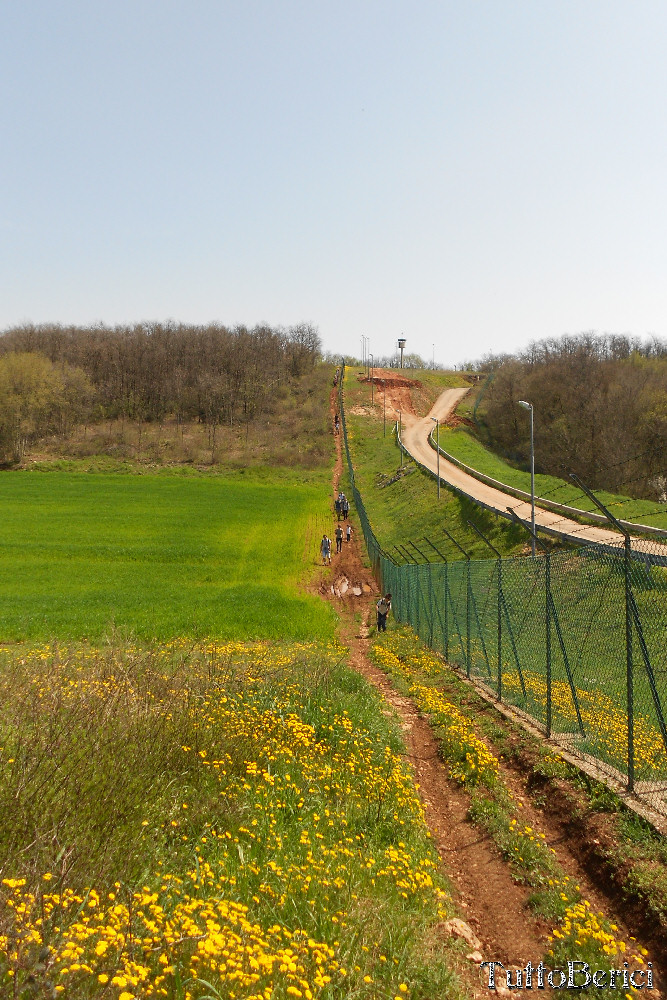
[[574, 638]]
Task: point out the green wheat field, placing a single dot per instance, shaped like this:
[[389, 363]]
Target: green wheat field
[[157, 556]]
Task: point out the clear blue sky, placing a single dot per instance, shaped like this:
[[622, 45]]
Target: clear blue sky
[[469, 174]]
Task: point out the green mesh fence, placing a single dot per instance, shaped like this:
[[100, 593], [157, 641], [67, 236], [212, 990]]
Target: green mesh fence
[[574, 639]]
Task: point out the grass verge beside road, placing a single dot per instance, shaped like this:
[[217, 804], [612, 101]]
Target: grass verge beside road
[[461, 444]]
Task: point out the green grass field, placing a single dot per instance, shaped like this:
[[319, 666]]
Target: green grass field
[[467, 449], [159, 556]]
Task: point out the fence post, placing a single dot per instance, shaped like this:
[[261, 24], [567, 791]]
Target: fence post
[[410, 559], [468, 595], [548, 600], [500, 607], [446, 625], [419, 593], [629, 668], [430, 592], [552, 618], [446, 615]]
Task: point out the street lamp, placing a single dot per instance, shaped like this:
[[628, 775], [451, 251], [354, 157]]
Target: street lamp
[[384, 407], [370, 375], [437, 439], [529, 406], [400, 432]]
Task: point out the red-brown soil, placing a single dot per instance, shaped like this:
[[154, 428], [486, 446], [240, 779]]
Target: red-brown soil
[[398, 388]]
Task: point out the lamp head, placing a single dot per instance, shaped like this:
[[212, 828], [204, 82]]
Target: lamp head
[[524, 404]]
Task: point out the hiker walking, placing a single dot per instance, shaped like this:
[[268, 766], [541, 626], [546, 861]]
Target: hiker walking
[[348, 533], [339, 539], [346, 507], [338, 506], [383, 607], [325, 549], [336, 424]]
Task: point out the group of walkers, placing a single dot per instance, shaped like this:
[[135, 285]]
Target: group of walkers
[[383, 606], [339, 534], [342, 505]]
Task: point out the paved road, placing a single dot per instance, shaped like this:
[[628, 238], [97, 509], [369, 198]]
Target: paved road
[[415, 441]]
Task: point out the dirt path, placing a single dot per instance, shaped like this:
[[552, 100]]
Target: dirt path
[[483, 889]]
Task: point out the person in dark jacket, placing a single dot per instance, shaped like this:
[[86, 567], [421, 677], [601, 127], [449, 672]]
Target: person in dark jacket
[[383, 607]]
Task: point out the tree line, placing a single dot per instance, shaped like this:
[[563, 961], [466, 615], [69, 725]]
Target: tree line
[[52, 375], [600, 409]]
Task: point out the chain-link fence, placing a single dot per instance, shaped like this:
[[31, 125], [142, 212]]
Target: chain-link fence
[[573, 638]]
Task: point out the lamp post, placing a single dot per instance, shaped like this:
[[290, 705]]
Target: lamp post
[[529, 407], [437, 439], [400, 432], [384, 407], [370, 375]]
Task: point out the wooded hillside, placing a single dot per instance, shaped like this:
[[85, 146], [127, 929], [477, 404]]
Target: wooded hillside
[[52, 376], [600, 410]]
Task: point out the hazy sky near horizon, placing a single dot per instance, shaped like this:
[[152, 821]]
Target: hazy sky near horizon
[[470, 175]]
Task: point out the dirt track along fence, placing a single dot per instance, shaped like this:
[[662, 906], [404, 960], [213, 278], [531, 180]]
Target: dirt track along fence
[[573, 639]]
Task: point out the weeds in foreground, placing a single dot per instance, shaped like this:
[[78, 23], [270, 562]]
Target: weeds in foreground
[[579, 932], [222, 820]]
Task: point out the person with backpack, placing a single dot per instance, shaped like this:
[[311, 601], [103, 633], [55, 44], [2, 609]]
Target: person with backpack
[[383, 607], [346, 507], [325, 549], [348, 536], [339, 539]]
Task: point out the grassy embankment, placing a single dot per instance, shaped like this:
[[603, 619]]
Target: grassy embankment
[[196, 817], [474, 745], [408, 508], [463, 444], [589, 596]]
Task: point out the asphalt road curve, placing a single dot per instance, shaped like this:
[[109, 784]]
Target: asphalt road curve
[[415, 441]]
